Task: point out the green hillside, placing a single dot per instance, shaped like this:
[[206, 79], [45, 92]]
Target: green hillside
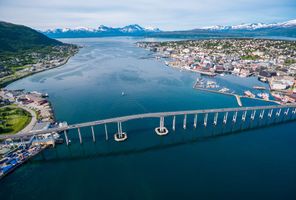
[[24, 51], [14, 38]]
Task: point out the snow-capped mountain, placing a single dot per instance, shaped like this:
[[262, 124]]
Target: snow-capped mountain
[[252, 26], [102, 30], [283, 29]]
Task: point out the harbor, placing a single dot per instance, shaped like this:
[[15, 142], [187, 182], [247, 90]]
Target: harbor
[[15, 153], [212, 86], [145, 161]]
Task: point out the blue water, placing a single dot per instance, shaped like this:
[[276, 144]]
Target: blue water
[[254, 164]]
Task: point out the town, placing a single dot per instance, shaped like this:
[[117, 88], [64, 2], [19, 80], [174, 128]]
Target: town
[[22, 112], [21, 64], [272, 61]]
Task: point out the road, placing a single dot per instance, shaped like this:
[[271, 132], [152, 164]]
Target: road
[[32, 123], [151, 115]]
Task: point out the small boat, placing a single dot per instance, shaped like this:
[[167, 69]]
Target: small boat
[[259, 87], [224, 90], [122, 94], [277, 96], [263, 79], [211, 84], [45, 95], [249, 94], [59, 141], [265, 96]]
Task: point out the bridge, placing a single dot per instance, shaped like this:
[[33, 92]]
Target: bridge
[[227, 114]]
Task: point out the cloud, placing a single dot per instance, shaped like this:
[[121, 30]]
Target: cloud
[[166, 14]]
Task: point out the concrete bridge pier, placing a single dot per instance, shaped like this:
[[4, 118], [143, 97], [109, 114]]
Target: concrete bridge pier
[[234, 117], [287, 111], [206, 119], [253, 115], [161, 130], [195, 121], [120, 136], [278, 113], [93, 133], [270, 113], [216, 118], [292, 113], [174, 123], [66, 137], [79, 134], [106, 132], [184, 121], [225, 118], [261, 114], [53, 140], [244, 116]]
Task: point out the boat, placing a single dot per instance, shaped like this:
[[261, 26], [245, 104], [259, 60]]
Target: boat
[[259, 87], [224, 90], [265, 96], [59, 141], [249, 94], [288, 99], [263, 79], [211, 84], [122, 94], [45, 95], [277, 96]]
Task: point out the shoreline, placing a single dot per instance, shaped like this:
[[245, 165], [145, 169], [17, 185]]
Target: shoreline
[[3, 85], [35, 112]]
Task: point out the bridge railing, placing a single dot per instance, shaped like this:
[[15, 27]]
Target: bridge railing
[[272, 110]]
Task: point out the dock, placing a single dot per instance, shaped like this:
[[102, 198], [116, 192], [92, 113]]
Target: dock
[[17, 163], [238, 97]]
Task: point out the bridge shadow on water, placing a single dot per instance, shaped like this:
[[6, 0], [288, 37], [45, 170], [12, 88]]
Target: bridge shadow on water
[[173, 139]]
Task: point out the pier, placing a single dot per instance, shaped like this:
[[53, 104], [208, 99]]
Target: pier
[[238, 97]]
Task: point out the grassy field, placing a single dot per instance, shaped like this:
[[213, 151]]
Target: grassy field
[[13, 119]]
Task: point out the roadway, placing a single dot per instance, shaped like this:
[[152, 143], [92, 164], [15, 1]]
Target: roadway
[[147, 115]]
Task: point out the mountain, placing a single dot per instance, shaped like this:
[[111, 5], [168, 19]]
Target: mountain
[[284, 29], [254, 26], [14, 38], [130, 30]]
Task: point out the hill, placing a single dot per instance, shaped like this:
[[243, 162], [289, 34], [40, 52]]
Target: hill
[[24, 51], [15, 38]]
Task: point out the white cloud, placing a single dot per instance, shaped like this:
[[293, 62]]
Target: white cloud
[[166, 14]]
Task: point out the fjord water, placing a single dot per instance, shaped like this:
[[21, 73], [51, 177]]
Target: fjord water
[[255, 164]]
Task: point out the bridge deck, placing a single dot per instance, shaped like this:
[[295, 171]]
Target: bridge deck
[[146, 115]]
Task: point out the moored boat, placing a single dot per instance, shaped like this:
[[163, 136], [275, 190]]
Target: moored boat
[[249, 94]]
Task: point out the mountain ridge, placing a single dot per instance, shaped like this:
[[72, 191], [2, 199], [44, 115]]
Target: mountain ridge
[[252, 26], [102, 30], [15, 38], [285, 29]]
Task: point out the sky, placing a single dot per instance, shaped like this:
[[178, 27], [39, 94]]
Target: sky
[[164, 14]]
